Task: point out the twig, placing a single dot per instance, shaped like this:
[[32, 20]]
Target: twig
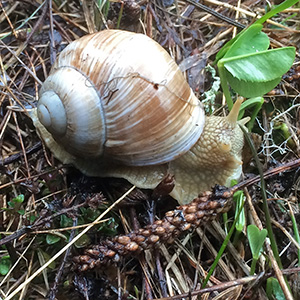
[[39, 22], [17, 156], [229, 284], [216, 14], [270, 173]]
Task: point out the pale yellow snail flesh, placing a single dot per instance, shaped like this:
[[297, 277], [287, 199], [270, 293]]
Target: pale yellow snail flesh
[[116, 105]]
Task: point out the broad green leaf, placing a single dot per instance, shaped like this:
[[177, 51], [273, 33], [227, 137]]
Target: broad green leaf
[[260, 66], [65, 221], [227, 47], [222, 52], [256, 239], [32, 218], [109, 227], [252, 40], [259, 42], [11, 204], [251, 89]]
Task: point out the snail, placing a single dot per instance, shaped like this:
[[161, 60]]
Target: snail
[[115, 104]]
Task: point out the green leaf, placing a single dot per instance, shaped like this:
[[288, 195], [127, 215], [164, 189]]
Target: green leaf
[[251, 89], [256, 239], [274, 290], [52, 239], [32, 218], [15, 202], [257, 102], [10, 204], [261, 66], [5, 264], [238, 197], [21, 212], [19, 199], [251, 40], [65, 221], [109, 227], [252, 102], [222, 52]]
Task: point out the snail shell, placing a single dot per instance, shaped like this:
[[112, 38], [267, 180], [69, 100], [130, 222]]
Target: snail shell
[[118, 95], [116, 104]]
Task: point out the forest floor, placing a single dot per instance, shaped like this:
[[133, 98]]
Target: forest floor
[[50, 213]]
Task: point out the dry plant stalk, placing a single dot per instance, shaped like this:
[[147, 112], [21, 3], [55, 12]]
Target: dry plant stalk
[[186, 217]]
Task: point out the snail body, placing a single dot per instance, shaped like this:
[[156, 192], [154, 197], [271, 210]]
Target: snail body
[[116, 104]]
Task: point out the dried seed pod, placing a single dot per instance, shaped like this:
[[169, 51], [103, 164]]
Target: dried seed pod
[[201, 210]]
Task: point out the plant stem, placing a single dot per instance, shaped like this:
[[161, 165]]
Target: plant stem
[[296, 231], [223, 247], [224, 84], [264, 198], [253, 266]]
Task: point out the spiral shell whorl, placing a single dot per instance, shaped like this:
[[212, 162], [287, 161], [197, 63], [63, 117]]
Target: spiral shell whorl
[[52, 114], [70, 109]]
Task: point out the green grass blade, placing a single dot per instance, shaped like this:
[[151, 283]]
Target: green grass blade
[[279, 8], [222, 249]]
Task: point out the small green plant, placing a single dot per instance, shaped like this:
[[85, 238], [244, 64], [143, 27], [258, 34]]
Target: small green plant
[[5, 264], [89, 215], [296, 232], [274, 290], [238, 198], [15, 205], [248, 65], [285, 134], [223, 247], [52, 239], [256, 240], [101, 12]]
